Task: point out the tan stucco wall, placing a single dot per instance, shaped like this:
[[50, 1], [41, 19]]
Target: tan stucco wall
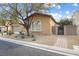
[[75, 20], [70, 30], [18, 28], [52, 24], [46, 23]]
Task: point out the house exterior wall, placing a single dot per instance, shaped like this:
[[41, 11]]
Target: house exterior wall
[[77, 30], [46, 24], [54, 30], [18, 28], [52, 26], [75, 20], [2, 28]]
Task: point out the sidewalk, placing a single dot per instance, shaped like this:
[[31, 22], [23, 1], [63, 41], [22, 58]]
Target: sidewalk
[[63, 51], [62, 41]]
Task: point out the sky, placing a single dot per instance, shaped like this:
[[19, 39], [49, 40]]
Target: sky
[[63, 10]]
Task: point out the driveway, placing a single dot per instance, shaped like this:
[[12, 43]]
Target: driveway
[[12, 49]]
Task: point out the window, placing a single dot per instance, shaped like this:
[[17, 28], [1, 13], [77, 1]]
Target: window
[[36, 26]]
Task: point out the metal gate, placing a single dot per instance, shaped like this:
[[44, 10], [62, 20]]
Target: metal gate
[[61, 30]]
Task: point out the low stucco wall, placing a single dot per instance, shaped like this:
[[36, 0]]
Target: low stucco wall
[[70, 30]]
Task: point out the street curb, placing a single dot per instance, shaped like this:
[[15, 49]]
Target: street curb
[[54, 49]]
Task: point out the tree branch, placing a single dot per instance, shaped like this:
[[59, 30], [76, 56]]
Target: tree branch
[[16, 11]]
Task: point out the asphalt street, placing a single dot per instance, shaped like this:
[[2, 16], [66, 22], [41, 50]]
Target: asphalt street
[[12, 49]]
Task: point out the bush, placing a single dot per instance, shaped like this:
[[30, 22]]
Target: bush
[[10, 33], [22, 37], [32, 36], [33, 39], [21, 33], [16, 36]]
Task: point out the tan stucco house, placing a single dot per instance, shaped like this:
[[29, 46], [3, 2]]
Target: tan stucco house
[[46, 24], [41, 23]]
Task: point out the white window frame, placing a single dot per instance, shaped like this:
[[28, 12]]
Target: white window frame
[[35, 21]]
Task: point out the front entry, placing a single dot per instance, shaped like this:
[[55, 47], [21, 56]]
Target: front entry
[[61, 30]]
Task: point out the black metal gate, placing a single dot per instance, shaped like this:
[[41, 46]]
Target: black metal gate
[[61, 30]]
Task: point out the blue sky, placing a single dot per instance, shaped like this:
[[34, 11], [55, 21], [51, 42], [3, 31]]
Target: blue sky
[[64, 10]]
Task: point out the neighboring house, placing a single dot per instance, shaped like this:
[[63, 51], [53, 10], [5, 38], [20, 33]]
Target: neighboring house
[[15, 28], [10, 27], [18, 28], [75, 20], [2, 28], [41, 23]]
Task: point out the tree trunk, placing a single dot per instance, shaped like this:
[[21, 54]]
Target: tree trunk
[[28, 34], [7, 29], [27, 29]]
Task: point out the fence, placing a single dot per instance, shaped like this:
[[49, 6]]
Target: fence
[[68, 30]]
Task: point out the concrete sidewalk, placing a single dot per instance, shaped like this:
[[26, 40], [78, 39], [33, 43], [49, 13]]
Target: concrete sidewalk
[[12, 49], [54, 49]]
